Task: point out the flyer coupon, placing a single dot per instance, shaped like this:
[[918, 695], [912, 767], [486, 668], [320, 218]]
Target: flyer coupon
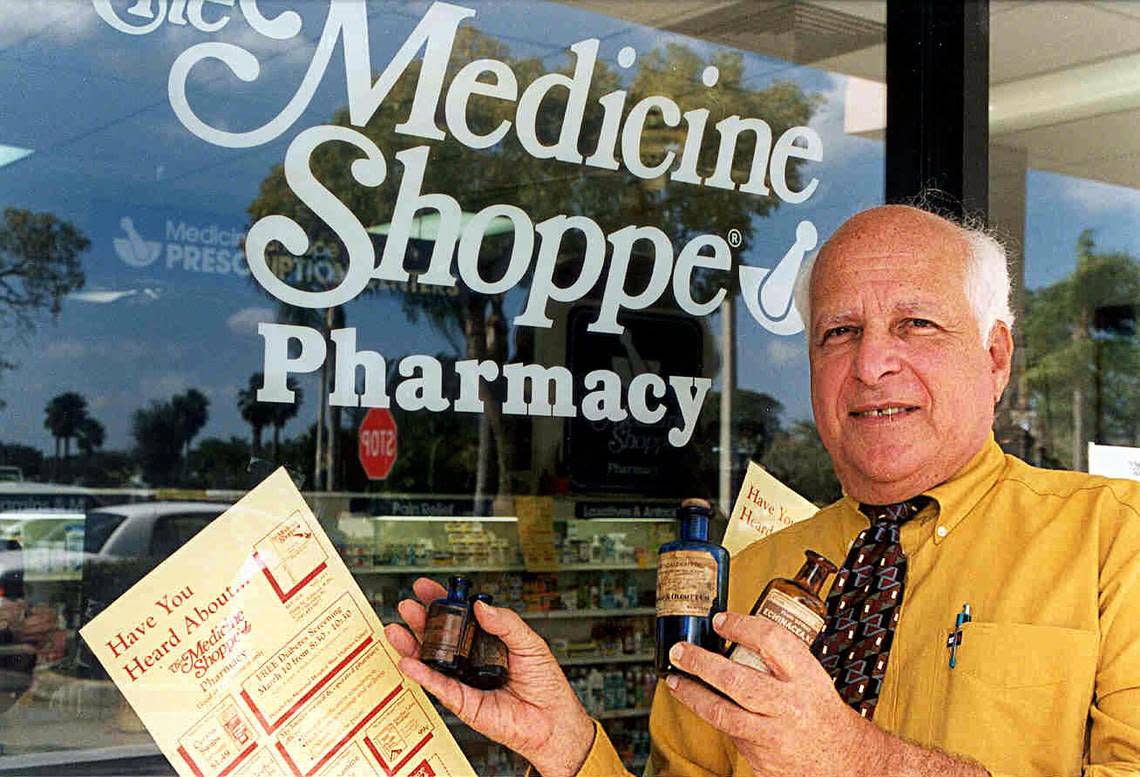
[[252, 652]]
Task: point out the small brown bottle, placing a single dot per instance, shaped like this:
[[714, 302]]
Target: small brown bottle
[[487, 668], [794, 604]]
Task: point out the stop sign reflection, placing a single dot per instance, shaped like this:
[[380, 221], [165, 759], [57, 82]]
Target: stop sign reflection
[[376, 443]]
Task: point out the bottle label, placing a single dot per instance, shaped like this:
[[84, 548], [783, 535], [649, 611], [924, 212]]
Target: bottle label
[[793, 616], [468, 640], [686, 583], [489, 651], [443, 636]]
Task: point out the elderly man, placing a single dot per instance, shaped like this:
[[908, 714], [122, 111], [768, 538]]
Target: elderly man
[[909, 341]]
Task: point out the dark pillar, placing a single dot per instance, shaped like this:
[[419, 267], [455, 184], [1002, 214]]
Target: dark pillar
[[937, 102]]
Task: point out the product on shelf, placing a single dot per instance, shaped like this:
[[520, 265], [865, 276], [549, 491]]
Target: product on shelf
[[692, 585], [603, 691]]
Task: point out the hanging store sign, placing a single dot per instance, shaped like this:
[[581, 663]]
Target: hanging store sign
[[439, 108]]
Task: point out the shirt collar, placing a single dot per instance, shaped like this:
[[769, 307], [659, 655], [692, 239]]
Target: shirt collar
[[959, 495]]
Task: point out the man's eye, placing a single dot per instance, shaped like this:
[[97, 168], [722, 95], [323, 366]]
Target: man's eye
[[837, 331], [920, 323]]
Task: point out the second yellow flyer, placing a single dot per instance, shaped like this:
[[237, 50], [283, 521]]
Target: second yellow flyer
[[252, 652]]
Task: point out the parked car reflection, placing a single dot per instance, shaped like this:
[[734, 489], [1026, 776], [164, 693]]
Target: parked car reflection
[[122, 543], [58, 570]]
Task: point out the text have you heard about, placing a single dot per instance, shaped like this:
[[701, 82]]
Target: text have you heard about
[[178, 617]]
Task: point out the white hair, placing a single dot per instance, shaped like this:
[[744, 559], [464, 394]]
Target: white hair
[[987, 283]]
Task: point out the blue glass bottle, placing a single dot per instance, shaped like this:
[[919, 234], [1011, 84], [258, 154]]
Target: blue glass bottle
[[447, 634], [692, 585]]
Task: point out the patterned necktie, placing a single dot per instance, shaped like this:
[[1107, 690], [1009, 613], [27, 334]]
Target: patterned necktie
[[863, 606]]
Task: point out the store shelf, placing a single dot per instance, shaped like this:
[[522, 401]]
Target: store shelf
[[638, 521], [396, 569], [58, 577], [602, 567], [615, 612], [617, 658], [637, 712]]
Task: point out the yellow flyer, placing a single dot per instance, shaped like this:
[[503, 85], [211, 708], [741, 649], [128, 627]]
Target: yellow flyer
[[251, 651], [763, 506]]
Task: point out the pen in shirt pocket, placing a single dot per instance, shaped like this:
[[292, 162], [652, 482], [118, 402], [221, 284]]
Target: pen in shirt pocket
[[955, 638]]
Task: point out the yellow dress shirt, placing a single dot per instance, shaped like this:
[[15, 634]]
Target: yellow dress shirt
[[1047, 680]]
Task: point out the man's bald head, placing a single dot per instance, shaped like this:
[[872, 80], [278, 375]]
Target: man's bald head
[[986, 279]]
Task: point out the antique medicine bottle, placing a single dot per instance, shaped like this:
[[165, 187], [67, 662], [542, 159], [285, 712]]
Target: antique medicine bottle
[[794, 604], [487, 668], [447, 633], [692, 585]]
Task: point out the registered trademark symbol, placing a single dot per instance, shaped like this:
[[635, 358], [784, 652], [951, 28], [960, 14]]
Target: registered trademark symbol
[[735, 237]]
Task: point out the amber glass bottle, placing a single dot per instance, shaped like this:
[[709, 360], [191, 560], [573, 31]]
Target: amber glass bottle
[[447, 637], [487, 667], [794, 604]]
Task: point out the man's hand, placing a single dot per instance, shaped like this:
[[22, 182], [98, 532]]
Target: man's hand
[[536, 714], [792, 723]]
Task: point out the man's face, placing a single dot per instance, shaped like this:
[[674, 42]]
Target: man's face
[[902, 388]]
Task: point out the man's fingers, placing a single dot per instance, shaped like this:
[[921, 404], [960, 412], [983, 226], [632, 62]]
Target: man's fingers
[[507, 625], [463, 700], [754, 691], [414, 615], [428, 590], [717, 711], [414, 612], [401, 639], [785, 655]]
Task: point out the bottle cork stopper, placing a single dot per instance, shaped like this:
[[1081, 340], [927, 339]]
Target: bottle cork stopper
[[696, 501], [826, 564]]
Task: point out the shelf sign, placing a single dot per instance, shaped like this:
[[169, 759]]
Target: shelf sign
[[536, 532]]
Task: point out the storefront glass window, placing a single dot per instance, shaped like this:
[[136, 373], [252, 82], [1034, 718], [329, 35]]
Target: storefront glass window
[[455, 267], [1064, 178]]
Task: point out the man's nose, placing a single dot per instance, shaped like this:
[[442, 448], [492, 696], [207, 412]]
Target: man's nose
[[876, 357]]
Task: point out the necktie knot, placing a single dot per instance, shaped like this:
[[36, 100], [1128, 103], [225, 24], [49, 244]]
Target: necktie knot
[[897, 513]]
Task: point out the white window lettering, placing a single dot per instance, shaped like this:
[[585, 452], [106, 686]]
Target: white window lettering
[[635, 127], [422, 391], [690, 393], [278, 366], [467, 83], [578, 85], [542, 286], [615, 297], [369, 171], [542, 381], [690, 259], [348, 362], [639, 390], [603, 403], [472, 241]]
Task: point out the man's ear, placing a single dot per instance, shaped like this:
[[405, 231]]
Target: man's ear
[[1000, 352]]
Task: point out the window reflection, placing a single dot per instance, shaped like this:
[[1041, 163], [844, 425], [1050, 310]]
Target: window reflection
[[133, 354]]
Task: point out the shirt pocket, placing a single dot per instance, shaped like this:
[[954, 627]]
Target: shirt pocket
[[1018, 699]]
